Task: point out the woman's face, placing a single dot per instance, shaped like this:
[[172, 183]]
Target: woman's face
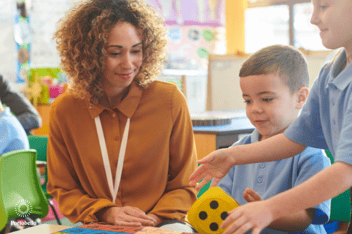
[[124, 57]]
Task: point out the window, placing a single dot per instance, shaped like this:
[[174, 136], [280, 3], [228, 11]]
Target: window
[[306, 35], [266, 26], [285, 22]]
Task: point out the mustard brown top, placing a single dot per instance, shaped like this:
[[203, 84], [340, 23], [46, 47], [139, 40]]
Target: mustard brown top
[[160, 154]]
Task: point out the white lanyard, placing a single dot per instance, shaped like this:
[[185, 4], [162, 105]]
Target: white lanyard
[[104, 154]]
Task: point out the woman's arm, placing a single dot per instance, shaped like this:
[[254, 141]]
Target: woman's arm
[[63, 182], [179, 196]]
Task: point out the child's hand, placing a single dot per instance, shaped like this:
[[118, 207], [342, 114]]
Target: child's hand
[[251, 196], [216, 165], [253, 216]]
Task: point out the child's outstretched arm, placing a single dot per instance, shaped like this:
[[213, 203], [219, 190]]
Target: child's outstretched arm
[[257, 215], [292, 223], [217, 164]]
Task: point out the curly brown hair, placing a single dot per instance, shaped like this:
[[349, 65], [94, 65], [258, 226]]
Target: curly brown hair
[[82, 35]]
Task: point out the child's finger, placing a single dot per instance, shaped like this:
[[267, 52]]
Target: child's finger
[[256, 231], [203, 182], [197, 175], [248, 197], [215, 182], [253, 194]]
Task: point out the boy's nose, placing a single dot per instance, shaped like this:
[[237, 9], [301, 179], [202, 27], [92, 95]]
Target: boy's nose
[[315, 18], [256, 109]]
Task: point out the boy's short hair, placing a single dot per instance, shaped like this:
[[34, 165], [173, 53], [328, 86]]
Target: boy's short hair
[[289, 62]]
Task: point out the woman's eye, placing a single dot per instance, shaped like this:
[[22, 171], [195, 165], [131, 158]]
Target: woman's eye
[[323, 7], [114, 54], [136, 51], [247, 101]]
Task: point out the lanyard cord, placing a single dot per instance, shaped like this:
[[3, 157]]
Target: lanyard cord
[[104, 154]]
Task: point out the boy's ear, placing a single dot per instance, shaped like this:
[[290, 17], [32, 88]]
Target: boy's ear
[[302, 95]]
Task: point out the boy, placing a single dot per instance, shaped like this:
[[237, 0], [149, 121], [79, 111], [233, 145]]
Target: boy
[[12, 135], [274, 86]]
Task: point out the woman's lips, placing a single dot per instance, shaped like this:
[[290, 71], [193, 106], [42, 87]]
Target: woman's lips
[[125, 76]]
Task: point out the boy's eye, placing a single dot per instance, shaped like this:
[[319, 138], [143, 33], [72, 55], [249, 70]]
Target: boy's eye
[[323, 7], [267, 99], [247, 101]]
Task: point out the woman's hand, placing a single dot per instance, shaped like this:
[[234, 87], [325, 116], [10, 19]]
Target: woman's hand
[[214, 166], [251, 196], [253, 216], [157, 219], [126, 216]]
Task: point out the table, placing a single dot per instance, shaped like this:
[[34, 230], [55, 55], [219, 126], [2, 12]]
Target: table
[[210, 138], [43, 229]]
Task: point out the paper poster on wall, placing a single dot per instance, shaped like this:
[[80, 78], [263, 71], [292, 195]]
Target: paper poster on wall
[[189, 46], [44, 17], [191, 12], [7, 44]]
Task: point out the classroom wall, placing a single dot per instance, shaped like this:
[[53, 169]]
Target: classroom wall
[[235, 25], [224, 92]]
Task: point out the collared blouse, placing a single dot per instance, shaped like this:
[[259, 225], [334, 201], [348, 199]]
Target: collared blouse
[[160, 154]]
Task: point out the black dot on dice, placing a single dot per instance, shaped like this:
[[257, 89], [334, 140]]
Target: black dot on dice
[[214, 204], [224, 215], [214, 227], [203, 215]]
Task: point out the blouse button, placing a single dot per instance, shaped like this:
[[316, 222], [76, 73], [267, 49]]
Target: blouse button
[[260, 179], [116, 138], [114, 115], [262, 165]]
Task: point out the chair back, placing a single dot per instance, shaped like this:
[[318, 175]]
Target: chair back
[[3, 213], [341, 204], [20, 186]]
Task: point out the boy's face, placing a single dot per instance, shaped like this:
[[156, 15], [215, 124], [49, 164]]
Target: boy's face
[[269, 104]]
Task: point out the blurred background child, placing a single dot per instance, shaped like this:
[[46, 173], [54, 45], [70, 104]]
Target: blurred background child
[[12, 135]]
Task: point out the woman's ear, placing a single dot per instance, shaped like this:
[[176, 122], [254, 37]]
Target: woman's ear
[[302, 95]]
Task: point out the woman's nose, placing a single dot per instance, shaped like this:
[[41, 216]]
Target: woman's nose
[[126, 62]]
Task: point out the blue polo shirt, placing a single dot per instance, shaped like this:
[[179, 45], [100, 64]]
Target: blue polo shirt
[[326, 119], [271, 178], [12, 135]]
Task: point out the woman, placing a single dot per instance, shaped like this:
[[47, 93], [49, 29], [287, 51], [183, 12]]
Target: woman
[[115, 113]]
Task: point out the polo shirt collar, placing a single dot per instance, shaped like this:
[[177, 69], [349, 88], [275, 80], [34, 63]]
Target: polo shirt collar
[[127, 106], [344, 78], [254, 136]]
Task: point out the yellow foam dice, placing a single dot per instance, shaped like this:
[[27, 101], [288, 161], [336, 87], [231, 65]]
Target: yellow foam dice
[[210, 210]]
